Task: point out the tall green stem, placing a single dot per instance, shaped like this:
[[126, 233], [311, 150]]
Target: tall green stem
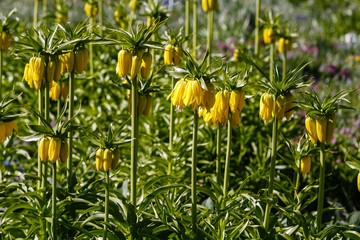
[[257, 32], [218, 155], [284, 63], [227, 159], [187, 22], [91, 50], [35, 19], [58, 110], [44, 11], [135, 140], [1, 67], [101, 17], [41, 101], [194, 27], [53, 209], [106, 218], [70, 134], [210, 34], [271, 73], [272, 169], [321, 188], [193, 172], [172, 110]]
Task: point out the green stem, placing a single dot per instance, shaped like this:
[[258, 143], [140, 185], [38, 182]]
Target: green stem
[[187, 22], [91, 50], [106, 218], [271, 73], [58, 110], [35, 19], [257, 18], [227, 159], [70, 134], [132, 13], [101, 18], [194, 27], [44, 11], [321, 188], [193, 172], [1, 67], [53, 209], [41, 100], [218, 155], [210, 34], [172, 110], [284, 64], [135, 139], [272, 169], [297, 179]]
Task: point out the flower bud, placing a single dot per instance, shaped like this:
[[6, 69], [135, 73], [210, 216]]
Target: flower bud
[[64, 91], [289, 106], [50, 72], [209, 5], [64, 152], [321, 125], [330, 127], [266, 106], [279, 107], [358, 182], [99, 159], [305, 164], [124, 63], [310, 125], [146, 65], [107, 159], [168, 54], [142, 104], [147, 109], [2, 131], [135, 66], [178, 53], [54, 149], [44, 149], [38, 72], [91, 10], [115, 159]]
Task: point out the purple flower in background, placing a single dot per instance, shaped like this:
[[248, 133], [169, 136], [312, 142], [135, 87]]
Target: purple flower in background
[[345, 73], [339, 161], [222, 46], [6, 163], [333, 69]]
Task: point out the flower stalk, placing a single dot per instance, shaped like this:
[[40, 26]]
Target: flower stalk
[[218, 155], [227, 159], [106, 218], [271, 74], [172, 110], [194, 27], [193, 172], [284, 63], [210, 18], [91, 49], [70, 135], [321, 188], [135, 140], [187, 22], [272, 168], [257, 32], [101, 18], [53, 208]]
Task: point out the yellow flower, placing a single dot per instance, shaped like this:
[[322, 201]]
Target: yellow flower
[[220, 110], [107, 159], [135, 66], [146, 65], [5, 41], [115, 159], [142, 103], [269, 35], [169, 54], [64, 152], [330, 127], [64, 91], [177, 56], [357, 58], [194, 94], [44, 149], [305, 164], [209, 5], [177, 94], [54, 149], [358, 182], [2, 131], [38, 72], [279, 107], [91, 10], [50, 71], [237, 101], [99, 159], [310, 125], [57, 73], [284, 44], [321, 125], [124, 63], [55, 91], [266, 106]]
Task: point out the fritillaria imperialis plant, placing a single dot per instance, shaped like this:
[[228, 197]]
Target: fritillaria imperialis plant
[[195, 90], [107, 157], [320, 125]]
